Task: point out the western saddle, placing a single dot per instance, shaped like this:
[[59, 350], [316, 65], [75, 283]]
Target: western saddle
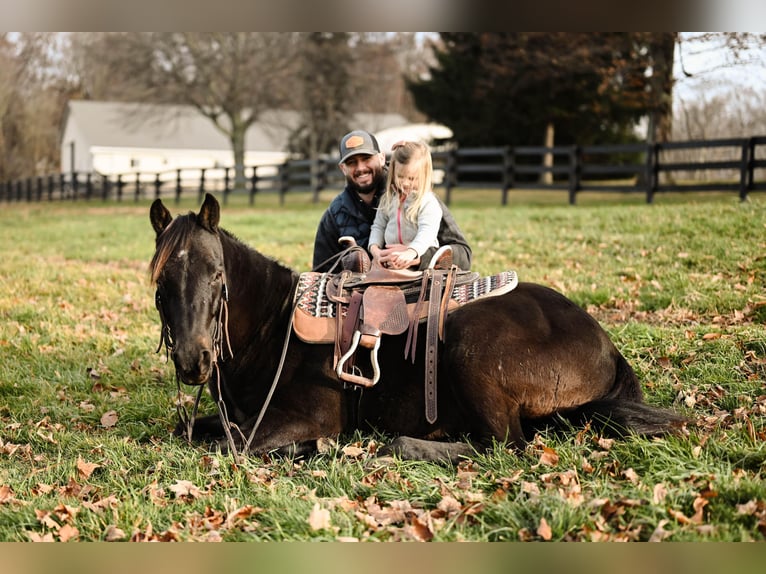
[[354, 309]]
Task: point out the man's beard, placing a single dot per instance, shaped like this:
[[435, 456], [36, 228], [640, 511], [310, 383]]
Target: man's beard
[[378, 182]]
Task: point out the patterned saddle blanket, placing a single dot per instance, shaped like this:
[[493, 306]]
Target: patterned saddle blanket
[[315, 317]]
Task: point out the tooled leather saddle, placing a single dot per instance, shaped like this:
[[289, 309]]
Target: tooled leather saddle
[[353, 310]]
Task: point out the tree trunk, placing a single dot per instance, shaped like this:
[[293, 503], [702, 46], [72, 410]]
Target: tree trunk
[[661, 84], [238, 147]]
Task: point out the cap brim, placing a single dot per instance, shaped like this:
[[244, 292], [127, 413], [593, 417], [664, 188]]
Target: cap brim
[[357, 152]]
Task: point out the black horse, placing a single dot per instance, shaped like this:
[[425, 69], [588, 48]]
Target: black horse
[[526, 356]]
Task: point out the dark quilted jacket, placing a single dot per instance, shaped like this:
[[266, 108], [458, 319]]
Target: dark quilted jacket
[[349, 215]]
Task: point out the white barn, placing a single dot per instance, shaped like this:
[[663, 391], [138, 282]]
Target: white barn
[[122, 138]]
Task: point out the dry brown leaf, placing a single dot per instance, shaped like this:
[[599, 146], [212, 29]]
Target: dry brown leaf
[[631, 475], [185, 489], [710, 336], [659, 493], [660, 533], [85, 469], [319, 518], [421, 529], [699, 505], [353, 451], [749, 508], [113, 534], [39, 537], [109, 419], [449, 506], [544, 530], [549, 457], [44, 518], [68, 532], [6, 494]]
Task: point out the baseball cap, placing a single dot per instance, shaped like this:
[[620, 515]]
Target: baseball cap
[[358, 142]]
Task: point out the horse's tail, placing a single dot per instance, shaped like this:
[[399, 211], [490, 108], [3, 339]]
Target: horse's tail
[[623, 410]]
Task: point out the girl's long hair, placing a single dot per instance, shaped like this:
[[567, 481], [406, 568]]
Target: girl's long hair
[[403, 154]]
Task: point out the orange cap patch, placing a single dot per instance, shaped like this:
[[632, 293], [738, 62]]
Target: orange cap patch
[[354, 141]]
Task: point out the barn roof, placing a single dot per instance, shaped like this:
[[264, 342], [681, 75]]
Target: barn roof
[[160, 126]]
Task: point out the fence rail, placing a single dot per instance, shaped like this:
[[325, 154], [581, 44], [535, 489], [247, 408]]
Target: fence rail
[[735, 164]]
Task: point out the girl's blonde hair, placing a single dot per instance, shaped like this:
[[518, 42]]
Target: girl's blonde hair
[[405, 153]]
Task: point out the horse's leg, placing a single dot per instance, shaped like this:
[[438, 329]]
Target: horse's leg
[[427, 450]]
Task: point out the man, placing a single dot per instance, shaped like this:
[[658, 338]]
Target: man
[[352, 211]]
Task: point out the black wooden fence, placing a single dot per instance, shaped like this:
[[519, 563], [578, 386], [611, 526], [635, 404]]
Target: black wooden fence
[[736, 164]]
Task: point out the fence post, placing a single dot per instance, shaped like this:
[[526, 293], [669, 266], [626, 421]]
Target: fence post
[[157, 186], [284, 181], [746, 168], [574, 173], [178, 186], [75, 185], [253, 183], [88, 186], [652, 170], [508, 174], [105, 188], [51, 185], [319, 167], [120, 185], [138, 186], [39, 189], [450, 175], [202, 188]]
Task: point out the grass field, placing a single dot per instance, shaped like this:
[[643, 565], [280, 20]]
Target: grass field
[[86, 405]]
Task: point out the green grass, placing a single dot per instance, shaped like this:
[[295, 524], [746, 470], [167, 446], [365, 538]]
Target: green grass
[[679, 285]]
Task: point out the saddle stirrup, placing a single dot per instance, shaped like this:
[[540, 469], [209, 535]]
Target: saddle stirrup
[[354, 378]]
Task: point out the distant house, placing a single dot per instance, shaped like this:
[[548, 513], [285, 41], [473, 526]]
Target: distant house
[[121, 138]]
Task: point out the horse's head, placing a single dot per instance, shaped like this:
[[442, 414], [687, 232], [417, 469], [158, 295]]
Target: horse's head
[[188, 270]]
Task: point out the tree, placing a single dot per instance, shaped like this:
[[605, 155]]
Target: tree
[[33, 95], [326, 92], [230, 78], [510, 88]]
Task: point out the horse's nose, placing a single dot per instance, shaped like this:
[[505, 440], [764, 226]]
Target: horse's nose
[[193, 365]]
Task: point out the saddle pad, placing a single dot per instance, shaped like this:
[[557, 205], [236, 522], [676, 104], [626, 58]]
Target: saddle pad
[[313, 310]]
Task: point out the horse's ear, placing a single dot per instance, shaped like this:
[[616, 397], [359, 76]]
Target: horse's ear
[[159, 216], [209, 213]]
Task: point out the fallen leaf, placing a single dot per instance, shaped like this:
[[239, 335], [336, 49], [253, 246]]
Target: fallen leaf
[[549, 457], [113, 534], [660, 533], [659, 493], [85, 469], [38, 537], [420, 529], [544, 530], [6, 494], [699, 505], [185, 489], [353, 451], [109, 419], [319, 518], [68, 532]]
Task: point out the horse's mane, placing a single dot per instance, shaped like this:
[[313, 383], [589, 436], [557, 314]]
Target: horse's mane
[[175, 236]]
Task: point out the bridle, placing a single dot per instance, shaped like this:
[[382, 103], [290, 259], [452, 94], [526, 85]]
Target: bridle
[[221, 336]]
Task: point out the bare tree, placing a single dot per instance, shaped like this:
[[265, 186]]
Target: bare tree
[[33, 94], [230, 78]]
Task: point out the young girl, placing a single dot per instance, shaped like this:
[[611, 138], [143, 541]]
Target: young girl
[[408, 217]]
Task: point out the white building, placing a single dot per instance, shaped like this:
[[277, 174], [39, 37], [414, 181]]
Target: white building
[[123, 138]]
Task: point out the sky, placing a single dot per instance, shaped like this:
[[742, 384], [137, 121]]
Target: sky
[[714, 70]]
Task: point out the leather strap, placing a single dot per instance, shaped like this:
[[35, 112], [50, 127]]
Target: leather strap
[[432, 344]]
